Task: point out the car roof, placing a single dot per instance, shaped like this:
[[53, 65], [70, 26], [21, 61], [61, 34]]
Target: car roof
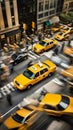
[[25, 111], [52, 99], [68, 72], [37, 67], [48, 40]]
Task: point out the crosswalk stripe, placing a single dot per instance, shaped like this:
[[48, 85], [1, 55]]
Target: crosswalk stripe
[[7, 89], [10, 86], [32, 56], [3, 90]]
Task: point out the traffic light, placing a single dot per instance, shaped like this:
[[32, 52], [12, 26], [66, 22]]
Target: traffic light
[[33, 24]]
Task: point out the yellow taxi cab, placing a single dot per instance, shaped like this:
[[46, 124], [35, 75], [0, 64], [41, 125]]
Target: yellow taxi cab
[[68, 30], [57, 28], [34, 74], [61, 36], [44, 45], [68, 51], [57, 104], [66, 76], [22, 118], [68, 73]]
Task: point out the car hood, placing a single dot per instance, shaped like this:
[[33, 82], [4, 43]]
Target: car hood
[[22, 80], [38, 46], [10, 123]]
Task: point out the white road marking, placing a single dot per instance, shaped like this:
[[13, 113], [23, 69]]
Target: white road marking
[[7, 89]]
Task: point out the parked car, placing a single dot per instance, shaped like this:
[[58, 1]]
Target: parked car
[[68, 30], [34, 74], [62, 36], [22, 118], [68, 51], [44, 45], [57, 104], [66, 76], [57, 27], [18, 57]]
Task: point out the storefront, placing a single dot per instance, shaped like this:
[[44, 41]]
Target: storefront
[[2, 40], [13, 36]]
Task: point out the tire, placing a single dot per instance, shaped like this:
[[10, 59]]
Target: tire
[[42, 51], [29, 86], [50, 74]]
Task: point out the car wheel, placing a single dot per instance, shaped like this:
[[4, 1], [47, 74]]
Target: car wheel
[[29, 86], [42, 51], [50, 74]]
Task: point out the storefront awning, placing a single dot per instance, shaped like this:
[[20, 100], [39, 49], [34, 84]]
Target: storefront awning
[[54, 20], [8, 34], [47, 23]]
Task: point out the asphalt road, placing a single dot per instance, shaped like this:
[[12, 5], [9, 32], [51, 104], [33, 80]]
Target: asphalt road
[[17, 97]]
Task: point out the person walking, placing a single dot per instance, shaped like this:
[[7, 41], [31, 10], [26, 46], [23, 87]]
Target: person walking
[[56, 50], [62, 47], [9, 99]]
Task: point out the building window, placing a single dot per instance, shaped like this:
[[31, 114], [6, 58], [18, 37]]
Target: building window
[[51, 4], [65, 6], [12, 12], [41, 6], [52, 12], [46, 14], [12, 39], [4, 13], [71, 5], [46, 5], [40, 15], [54, 4]]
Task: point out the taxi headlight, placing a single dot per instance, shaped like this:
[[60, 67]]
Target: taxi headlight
[[21, 85]]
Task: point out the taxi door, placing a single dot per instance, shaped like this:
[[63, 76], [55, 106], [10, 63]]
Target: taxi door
[[43, 73], [51, 44], [36, 78], [48, 46]]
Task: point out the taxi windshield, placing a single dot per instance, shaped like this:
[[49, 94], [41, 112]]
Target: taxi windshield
[[61, 34], [18, 118], [43, 43], [29, 74], [63, 103]]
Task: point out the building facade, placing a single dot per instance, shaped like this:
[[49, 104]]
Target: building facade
[[9, 23], [37, 11], [67, 6], [47, 9], [27, 10]]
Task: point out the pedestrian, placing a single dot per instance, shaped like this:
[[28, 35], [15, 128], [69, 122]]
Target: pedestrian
[[62, 47], [9, 99], [50, 32], [56, 50], [11, 66], [69, 41]]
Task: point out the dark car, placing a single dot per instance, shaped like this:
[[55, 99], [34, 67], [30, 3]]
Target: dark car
[[19, 57]]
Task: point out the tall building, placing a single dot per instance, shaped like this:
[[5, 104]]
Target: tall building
[[47, 9], [67, 6], [27, 10], [9, 23]]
